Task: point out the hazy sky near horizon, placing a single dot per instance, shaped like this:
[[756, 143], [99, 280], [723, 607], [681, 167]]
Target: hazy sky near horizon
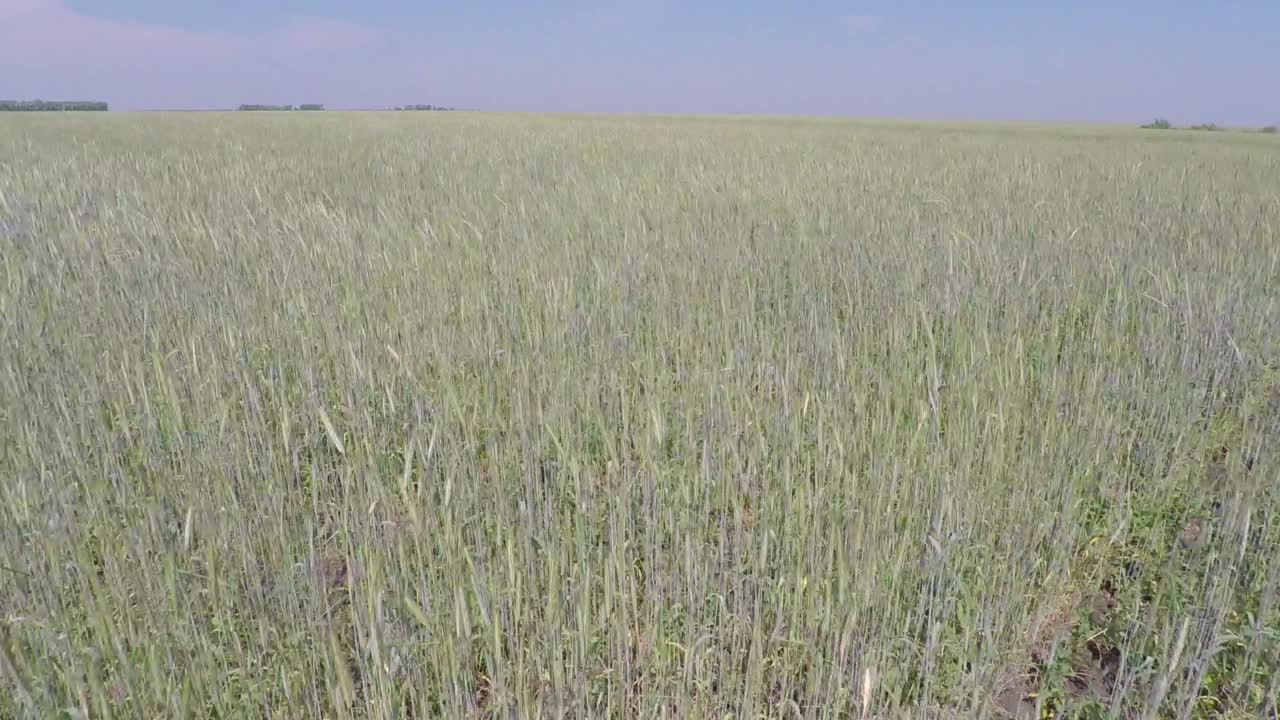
[[1089, 60]]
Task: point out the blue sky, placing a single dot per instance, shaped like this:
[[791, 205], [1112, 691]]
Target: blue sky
[[1087, 60]]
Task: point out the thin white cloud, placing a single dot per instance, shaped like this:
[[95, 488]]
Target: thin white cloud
[[33, 28], [10, 9]]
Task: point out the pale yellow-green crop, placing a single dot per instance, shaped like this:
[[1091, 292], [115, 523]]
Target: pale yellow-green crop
[[459, 415]]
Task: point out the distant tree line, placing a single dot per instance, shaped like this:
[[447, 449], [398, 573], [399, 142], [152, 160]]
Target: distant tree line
[[279, 108], [289, 108], [1163, 124], [51, 105]]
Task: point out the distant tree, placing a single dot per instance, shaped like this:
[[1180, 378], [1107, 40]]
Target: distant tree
[[1206, 126], [52, 106], [265, 108], [423, 108], [1270, 130], [311, 107], [1158, 124]]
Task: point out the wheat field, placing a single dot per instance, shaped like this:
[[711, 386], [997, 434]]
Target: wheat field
[[376, 415]]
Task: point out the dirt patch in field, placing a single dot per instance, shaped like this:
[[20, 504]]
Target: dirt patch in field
[[1090, 672]]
